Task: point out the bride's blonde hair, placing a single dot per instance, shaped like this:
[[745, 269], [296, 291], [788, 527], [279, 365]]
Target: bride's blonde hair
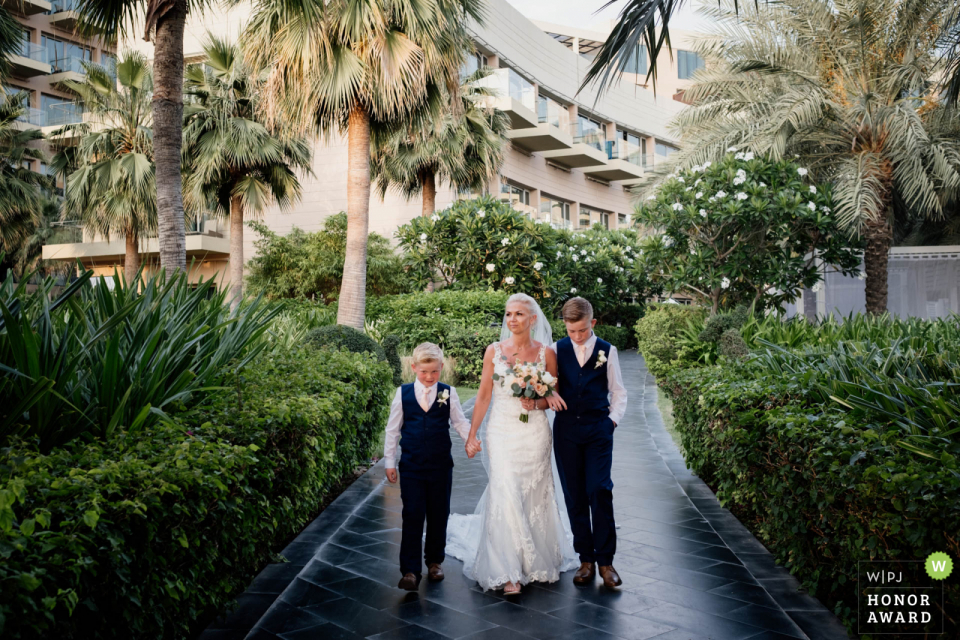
[[527, 301]]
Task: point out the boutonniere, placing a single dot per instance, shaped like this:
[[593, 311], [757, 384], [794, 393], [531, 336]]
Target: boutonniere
[[443, 397], [601, 359]]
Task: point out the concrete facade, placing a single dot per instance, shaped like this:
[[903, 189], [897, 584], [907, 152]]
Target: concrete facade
[[557, 165]]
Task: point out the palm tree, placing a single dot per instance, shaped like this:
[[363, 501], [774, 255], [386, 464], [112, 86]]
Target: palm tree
[[29, 255], [10, 39], [336, 66], [20, 187], [235, 164], [463, 147], [845, 86], [111, 186], [164, 21]]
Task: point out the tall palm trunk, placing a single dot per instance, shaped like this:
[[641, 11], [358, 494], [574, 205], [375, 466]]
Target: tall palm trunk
[[131, 259], [167, 134], [236, 251], [353, 289], [429, 180], [876, 256]]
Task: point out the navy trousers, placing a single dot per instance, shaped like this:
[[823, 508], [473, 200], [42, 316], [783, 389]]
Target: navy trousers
[[426, 497], [584, 457]]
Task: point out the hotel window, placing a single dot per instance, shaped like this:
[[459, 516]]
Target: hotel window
[[664, 150], [633, 148], [516, 197], [590, 217], [59, 111], [589, 132], [622, 221], [687, 63], [556, 212], [638, 62], [64, 55], [473, 64]]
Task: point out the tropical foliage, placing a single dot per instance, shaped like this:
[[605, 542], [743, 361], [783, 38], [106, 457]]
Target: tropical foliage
[[110, 175], [484, 243], [20, 186], [743, 230], [845, 86], [234, 165], [310, 264], [460, 145], [344, 65]]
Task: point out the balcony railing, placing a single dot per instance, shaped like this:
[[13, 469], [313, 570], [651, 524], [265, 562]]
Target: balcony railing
[[57, 6], [32, 116], [33, 52], [632, 153], [70, 63], [595, 138], [57, 115], [507, 82], [69, 232]]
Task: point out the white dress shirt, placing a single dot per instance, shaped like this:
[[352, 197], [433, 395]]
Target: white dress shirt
[[618, 393], [457, 417]]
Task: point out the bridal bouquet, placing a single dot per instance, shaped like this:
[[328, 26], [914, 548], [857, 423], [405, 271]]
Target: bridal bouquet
[[527, 380]]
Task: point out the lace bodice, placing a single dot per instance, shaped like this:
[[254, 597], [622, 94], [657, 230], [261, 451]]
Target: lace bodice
[[501, 368]]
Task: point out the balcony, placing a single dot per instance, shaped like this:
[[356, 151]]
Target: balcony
[[587, 149], [30, 119], [624, 162], [70, 68], [543, 137], [63, 14], [204, 246], [56, 116], [513, 95], [26, 7], [31, 61]]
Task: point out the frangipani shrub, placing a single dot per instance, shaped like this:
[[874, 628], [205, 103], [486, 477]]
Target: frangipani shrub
[[744, 230], [486, 244]]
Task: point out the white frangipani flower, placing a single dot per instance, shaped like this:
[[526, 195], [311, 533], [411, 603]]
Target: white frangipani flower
[[651, 197], [538, 265], [802, 171], [423, 237], [703, 213], [725, 283], [813, 189], [575, 257], [741, 196], [763, 184], [599, 280], [505, 241], [491, 267], [731, 149], [739, 180], [721, 194], [748, 156], [825, 209], [583, 252], [481, 213], [509, 280], [434, 217], [739, 156], [689, 189], [707, 164], [811, 206], [698, 195], [676, 206], [573, 289], [680, 179]]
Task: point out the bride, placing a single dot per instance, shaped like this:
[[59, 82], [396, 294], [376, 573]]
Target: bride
[[518, 533]]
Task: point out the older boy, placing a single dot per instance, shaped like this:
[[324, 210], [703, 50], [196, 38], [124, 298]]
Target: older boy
[[590, 385], [420, 418]]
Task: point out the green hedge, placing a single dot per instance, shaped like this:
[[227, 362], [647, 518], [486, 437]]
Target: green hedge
[[820, 491], [150, 536], [667, 336]]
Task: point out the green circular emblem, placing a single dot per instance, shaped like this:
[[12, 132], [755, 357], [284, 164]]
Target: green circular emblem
[[939, 565]]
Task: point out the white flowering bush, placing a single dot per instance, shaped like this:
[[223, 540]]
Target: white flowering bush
[[486, 244], [745, 233]]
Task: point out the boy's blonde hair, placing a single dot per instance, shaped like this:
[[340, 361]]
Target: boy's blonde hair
[[577, 309], [427, 352]]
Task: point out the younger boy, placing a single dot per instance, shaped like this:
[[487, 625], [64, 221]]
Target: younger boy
[[420, 418]]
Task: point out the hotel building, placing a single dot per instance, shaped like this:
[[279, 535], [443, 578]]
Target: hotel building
[[572, 158]]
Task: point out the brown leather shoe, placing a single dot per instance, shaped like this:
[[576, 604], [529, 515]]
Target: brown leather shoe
[[410, 582], [585, 574], [610, 577], [434, 572]]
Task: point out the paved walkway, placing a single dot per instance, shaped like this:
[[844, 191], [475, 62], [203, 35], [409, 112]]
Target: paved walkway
[[691, 571]]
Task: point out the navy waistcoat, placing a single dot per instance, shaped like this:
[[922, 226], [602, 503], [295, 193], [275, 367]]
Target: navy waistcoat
[[584, 389], [425, 435]]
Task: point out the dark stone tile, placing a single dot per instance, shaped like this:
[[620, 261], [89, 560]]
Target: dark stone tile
[[763, 566], [362, 525], [730, 572], [350, 540], [373, 594], [335, 555], [274, 578], [283, 618], [668, 557], [250, 607], [411, 632], [820, 625], [705, 624], [260, 634], [457, 597], [770, 635], [684, 577], [301, 593], [608, 621], [223, 634], [753, 594], [788, 596], [320, 573], [358, 618], [766, 618], [300, 553], [527, 621], [382, 550], [616, 599], [722, 554], [388, 535], [386, 573], [665, 592], [499, 633], [325, 631], [438, 618], [534, 597]]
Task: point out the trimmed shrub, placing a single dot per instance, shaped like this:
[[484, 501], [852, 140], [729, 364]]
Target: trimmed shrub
[[659, 334], [732, 345], [338, 336], [720, 323], [467, 345], [150, 535], [620, 337], [390, 344]]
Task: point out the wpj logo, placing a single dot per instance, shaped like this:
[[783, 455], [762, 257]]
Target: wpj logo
[[901, 597]]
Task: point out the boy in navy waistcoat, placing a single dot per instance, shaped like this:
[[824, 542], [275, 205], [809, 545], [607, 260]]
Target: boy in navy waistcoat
[[420, 418], [593, 401]]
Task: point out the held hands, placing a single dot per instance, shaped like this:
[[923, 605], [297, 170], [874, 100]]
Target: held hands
[[392, 475], [556, 403], [529, 404], [473, 447]]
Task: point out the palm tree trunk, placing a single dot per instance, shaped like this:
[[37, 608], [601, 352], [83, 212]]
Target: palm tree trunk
[[876, 256], [167, 134], [429, 192], [351, 310], [131, 259], [236, 251]]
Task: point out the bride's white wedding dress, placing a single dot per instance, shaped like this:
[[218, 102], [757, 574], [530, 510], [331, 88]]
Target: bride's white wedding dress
[[519, 533]]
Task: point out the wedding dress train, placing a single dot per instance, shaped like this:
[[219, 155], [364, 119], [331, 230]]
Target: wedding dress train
[[520, 531]]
